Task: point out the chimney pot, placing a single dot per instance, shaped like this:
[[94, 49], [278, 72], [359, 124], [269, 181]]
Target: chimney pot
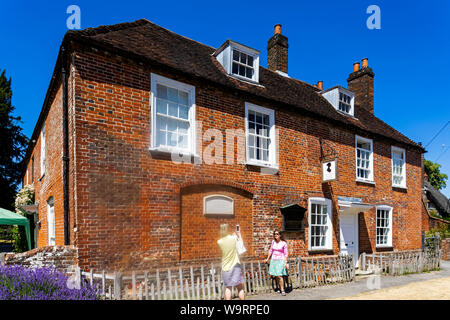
[[356, 66], [277, 29], [320, 85], [365, 63]]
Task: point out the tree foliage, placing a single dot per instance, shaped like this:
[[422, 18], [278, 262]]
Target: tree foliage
[[12, 146], [435, 177]]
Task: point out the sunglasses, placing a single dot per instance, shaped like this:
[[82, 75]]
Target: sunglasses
[[276, 234]]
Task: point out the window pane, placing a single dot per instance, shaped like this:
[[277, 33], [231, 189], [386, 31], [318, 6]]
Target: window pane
[[172, 125], [172, 94], [161, 106], [259, 129], [235, 55], [251, 141], [251, 116], [184, 112], [241, 70], [183, 127], [251, 152], [183, 97], [235, 68], [161, 91], [250, 61], [173, 109], [249, 73], [243, 58], [172, 139], [265, 154], [183, 141], [251, 127]]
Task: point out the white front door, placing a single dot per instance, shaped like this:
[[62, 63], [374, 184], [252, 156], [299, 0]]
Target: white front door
[[349, 235]]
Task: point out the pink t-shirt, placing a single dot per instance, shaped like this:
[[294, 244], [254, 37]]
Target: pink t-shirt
[[279, 250]]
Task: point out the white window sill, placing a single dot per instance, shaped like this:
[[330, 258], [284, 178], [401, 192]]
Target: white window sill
[[263, 165], [366, 181], [399, 187], [320, 249], [384, 246], [175, 151]]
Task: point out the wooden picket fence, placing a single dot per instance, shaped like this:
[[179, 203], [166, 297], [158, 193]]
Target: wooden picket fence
[[402, 262], [206, 283]]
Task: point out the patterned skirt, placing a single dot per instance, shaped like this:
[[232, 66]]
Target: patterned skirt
[[277, 268], [233, 277]]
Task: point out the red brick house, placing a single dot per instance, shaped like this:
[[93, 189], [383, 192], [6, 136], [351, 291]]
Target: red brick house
[[256, 146]]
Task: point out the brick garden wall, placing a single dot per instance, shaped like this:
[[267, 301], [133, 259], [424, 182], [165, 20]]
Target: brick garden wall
[[63, 258]]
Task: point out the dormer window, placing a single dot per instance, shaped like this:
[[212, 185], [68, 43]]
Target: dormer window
[[239, 61], [341, 99], [344, 102], [242, 64]]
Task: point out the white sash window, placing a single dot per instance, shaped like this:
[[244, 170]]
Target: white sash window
[[398, 167], [384, 226], [173, 115], [320, 224], [364, 159]]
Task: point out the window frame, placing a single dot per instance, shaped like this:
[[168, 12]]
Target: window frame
[[350, 104], [272, 158], [329, 235], [370, 179], [190, 89], [395, 149], [389, 240], [253, 53]]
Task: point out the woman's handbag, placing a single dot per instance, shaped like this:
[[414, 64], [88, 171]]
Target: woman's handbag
[[240, 248]]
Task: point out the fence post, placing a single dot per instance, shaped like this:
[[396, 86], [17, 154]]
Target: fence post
[[117, 285], [391, 265], [363, 261], [437, 238], [78, 278], [423, 240]]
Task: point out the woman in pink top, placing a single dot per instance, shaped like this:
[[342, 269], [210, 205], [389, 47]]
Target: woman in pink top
[[279, 253]]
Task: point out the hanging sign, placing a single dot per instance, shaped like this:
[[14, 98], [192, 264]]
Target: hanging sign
[[329, 170]]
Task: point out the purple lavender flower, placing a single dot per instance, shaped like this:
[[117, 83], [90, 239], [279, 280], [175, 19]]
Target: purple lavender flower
[[20, 283]]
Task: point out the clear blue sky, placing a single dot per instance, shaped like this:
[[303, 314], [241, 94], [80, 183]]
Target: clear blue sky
[[410, 54]]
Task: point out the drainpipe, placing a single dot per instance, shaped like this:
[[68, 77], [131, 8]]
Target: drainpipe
[[65, 147]]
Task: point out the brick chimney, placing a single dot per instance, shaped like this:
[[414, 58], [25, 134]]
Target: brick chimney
[[360, 81], [277, 51]]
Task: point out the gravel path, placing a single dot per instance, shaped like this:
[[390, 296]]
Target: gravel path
[[374, 287]]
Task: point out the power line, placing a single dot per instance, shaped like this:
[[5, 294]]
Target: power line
[[444, 151], [437, 134]]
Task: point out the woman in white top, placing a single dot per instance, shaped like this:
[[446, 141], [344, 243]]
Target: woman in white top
[[231, 265]]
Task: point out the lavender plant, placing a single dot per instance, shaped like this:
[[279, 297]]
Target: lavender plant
[[20, 283]]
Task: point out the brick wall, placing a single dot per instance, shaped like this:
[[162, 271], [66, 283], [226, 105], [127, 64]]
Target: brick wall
[[49, 184], [131, 208], [63, 258], [135, 213], [445, 245]]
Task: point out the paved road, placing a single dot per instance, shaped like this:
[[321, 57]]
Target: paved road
[[360, 285]]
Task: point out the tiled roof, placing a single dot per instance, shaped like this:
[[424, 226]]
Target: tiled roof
[[440, 200], [145, 39]]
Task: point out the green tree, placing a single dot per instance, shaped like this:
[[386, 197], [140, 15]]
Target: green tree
[[13, 145], [435, 177]]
